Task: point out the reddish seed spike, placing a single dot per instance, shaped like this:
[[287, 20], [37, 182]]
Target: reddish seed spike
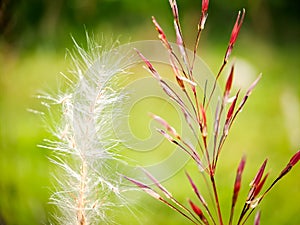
[[158, 184], [160, 31], [237, 27], [196, 190], [196, 209], [257, 218], [241, 165], [232, 106], [203, 114], [194, 155], [161, 34], [145, 188], [238, 179], [260, 185], [199, 212], [205, 4], [259, 174], [166, 125], [234, 33], [230, 114], [204, 14], [137, 183], [149, 65], [293, 161], [254, 184], [229, 83], [237, 186]]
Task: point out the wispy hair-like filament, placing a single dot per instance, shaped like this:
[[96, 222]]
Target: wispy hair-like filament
[[83, 146]]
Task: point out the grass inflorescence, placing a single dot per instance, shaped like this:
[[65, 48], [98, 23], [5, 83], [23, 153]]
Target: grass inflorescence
[[204, 155], [87, 184]]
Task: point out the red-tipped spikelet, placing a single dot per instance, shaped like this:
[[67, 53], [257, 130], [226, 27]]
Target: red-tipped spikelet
[[260, 185], [234, 33], [145, 188], [195, 189], [166, 125], [204, 14], [205, 4], [199, 212], [228, 84], [237, 186], [293, 161], [230, 115], [238, 179], [259, 175], [161, 34], [149, 65]]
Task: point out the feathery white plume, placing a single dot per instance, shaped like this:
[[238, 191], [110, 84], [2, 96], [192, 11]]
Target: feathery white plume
[[83, 147]]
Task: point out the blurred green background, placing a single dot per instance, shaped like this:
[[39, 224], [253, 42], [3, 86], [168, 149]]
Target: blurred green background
[[35, 35]]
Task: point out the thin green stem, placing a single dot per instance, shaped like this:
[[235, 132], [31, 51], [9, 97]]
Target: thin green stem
[[215, 84], [216, 198]]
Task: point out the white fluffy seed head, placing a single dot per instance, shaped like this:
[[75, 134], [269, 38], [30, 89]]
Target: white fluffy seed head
[[83, 148]]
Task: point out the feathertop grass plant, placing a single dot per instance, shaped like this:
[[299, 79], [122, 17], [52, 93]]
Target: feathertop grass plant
[[205, 155], [87, 181]]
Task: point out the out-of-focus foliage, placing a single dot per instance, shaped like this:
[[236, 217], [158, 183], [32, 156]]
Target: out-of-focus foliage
[[27, 22]]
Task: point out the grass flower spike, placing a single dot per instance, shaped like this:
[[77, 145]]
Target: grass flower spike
[[209, 134], [87, 180], [234, 33]]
